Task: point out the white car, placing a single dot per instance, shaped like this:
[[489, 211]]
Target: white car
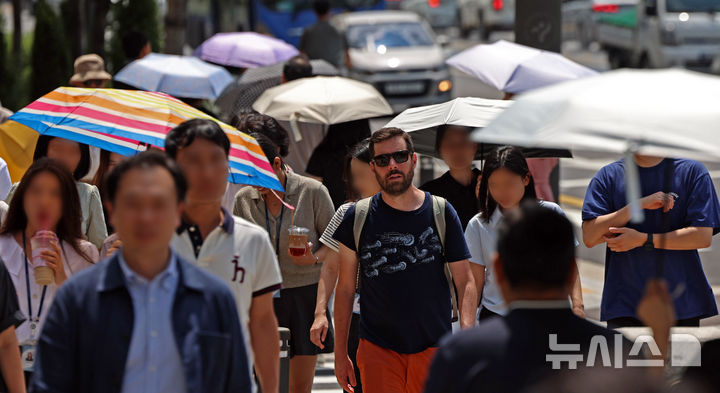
[[396, 51]]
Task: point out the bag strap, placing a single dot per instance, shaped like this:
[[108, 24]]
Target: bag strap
[[441, 226], [362, 207]]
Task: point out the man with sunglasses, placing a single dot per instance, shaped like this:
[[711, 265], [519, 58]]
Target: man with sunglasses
[[405, 299], [90, 72]]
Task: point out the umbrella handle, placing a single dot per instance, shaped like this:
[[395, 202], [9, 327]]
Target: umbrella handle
[[294, 126], [632, 187]]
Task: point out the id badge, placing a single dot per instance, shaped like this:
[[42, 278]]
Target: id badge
[[27, 355]]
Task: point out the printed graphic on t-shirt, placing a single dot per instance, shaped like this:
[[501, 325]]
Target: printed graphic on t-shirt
[[393, 252]]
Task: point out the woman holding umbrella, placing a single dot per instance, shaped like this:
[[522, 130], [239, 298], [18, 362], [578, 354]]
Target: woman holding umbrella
[[458, 184]]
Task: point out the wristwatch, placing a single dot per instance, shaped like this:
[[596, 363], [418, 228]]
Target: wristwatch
[[649, 244]]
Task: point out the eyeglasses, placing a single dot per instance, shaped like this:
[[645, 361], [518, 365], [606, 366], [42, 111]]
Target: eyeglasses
[[400, 157]]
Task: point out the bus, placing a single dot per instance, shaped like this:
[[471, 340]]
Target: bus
[[286, 19]]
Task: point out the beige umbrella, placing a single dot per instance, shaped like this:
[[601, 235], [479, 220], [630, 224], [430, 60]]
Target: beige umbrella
[[323, 100]]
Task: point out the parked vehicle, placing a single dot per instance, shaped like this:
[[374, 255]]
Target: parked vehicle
[[397, 52], [659, 33], [486, 16]]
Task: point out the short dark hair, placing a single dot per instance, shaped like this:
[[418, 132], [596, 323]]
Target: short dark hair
[[536, 247], [41, 150], [384, 134], [268, 126], [183, 136], [145, 160], [321, 7], [297, 67], [268, 147], [132, 44], [360, 151]]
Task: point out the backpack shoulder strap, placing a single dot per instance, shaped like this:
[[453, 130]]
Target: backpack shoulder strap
[[362, 207], [439, 217]]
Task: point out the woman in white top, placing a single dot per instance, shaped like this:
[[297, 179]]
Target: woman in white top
[[46, 199], [506, 182], [76, 158]]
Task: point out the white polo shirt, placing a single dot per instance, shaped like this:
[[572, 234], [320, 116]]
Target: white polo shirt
[[240, 253]]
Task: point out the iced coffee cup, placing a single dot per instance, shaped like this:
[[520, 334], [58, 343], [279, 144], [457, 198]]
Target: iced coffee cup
[[297, 241], [44, 275]]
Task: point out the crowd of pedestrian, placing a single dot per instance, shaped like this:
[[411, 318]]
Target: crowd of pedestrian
[[160, 276]]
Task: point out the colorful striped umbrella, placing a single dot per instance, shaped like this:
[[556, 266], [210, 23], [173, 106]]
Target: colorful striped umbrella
[[126, 122]]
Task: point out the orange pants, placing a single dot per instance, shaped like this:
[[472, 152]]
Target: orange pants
[[385, 371]]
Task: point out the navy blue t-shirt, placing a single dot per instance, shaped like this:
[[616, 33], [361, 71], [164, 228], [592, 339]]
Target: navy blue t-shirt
[[404, 295], [626, 273]]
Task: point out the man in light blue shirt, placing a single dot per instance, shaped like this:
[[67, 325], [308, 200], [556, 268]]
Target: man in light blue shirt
[[145, 320], [153, 363]]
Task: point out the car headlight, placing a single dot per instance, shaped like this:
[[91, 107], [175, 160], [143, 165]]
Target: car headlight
[[444, 86]]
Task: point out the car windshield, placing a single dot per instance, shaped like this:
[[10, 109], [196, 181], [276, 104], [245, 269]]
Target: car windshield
[[693, 5], [379, 37], [306, 5]]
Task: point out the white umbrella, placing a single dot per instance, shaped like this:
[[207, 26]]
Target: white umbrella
[[666, 113], [422, 122], [324, 100], [515, 68]]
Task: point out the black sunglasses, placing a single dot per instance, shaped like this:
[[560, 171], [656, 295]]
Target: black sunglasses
[[399, 157]]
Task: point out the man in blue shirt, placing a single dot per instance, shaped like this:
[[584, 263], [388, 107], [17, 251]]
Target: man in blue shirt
[[144, 320], [689, 203]]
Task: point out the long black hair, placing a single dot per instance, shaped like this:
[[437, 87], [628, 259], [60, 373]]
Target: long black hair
[[512, 159], [41, 150], [68, 227], [360, 151]]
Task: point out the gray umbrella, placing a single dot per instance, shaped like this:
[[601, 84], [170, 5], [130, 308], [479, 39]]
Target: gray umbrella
[[241, 94]]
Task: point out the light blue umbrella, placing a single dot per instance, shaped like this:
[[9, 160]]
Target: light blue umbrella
[[179, 76]]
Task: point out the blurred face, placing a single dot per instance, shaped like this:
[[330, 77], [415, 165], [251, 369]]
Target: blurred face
[[363, 179], [456, 149], [43, 201], [146, 211], [65, 151], [206, 169], [507, 188], [395, 177], [279, 169], [114, 160]]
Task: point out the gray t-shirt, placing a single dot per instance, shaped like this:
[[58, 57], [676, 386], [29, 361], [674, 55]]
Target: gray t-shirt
[[313, 210], [322, 41]]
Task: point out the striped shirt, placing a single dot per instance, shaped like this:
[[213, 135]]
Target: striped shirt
[[327, 236]]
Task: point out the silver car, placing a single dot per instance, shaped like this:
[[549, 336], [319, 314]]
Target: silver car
[[396, 51]]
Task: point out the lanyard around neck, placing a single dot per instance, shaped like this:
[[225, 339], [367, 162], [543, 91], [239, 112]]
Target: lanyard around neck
[[279, 221], [27, 284]]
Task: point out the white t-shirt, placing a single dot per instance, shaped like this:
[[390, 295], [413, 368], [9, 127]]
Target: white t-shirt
[[240, 253], [5, 182], [14, 257], [481, 238], [3, 211]]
